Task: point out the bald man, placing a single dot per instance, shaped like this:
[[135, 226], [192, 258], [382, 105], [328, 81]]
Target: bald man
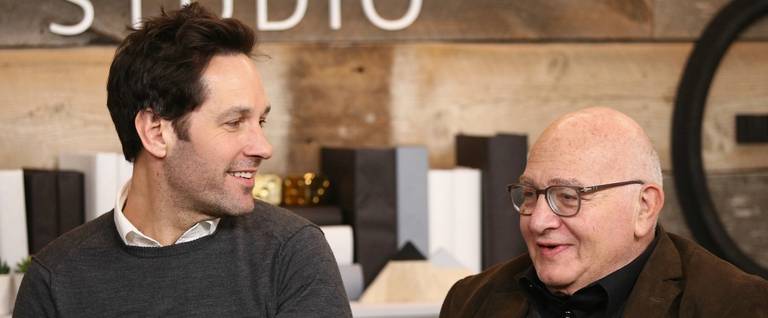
[[589, 201]]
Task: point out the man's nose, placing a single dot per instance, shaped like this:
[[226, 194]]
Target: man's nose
[[257, 144], [542, 216]]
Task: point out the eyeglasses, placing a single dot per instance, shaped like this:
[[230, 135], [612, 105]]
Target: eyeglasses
[[564, 200]]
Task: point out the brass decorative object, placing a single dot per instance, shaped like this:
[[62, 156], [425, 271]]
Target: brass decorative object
[[268, 188], [309, 189]]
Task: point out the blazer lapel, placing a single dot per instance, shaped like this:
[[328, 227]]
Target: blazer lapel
[[658, 285]]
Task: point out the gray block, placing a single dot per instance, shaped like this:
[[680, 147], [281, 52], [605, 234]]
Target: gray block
[[412, 213], [352, 276]]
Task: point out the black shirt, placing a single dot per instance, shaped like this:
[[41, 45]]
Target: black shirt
[[603, 298]]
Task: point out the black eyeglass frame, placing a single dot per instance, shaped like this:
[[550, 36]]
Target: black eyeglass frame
[[579, 192]]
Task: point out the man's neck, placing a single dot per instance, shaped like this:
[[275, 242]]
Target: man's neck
[[151, 209]]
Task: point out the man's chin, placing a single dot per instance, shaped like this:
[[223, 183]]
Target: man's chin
[[243, 209], [554, 279]]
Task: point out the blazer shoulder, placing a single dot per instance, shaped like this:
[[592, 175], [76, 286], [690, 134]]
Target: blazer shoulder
[[470, 293], [702, 270], [501, 276]]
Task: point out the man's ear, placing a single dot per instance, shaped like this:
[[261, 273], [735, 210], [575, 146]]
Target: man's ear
[[651, 201], [152, 131]]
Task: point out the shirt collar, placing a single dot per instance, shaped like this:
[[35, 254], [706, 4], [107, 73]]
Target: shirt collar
[[607, 295], [131, 236], [619, 284]]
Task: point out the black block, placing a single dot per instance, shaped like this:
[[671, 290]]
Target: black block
[[41, 201], [501, 159], [751, 129], [55, 204], [363, 181], [409, 252], [71, 199]]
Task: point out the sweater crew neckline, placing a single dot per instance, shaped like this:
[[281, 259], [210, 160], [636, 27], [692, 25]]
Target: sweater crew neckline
[[171, 250]]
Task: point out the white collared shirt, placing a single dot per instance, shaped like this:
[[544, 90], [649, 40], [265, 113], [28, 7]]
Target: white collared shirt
[[133, 237]]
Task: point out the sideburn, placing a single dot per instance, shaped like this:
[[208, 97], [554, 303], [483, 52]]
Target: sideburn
[[181, 127]]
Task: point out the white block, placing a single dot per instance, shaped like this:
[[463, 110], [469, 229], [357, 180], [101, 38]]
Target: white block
[[455, 215], [6, 287], [396, 310], [340, 239], [441, 220], [16, 279], [467, 206], [13, 217], [124, 172]]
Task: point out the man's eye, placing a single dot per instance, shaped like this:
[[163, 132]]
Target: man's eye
[[262, 122], [234, 123], [528, 193]]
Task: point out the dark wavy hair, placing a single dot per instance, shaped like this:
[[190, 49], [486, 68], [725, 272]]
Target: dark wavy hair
[[159, 67]]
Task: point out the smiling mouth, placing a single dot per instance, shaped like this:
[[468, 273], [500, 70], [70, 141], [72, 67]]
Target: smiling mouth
[[552, 249], [241, 174]]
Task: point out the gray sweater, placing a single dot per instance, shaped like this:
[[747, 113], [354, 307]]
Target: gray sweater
[[270, 263]]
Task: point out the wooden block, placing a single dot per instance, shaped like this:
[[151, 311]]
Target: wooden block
[[412, 282]]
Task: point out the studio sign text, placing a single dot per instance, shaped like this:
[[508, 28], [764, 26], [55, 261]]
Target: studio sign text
[[262, 21]]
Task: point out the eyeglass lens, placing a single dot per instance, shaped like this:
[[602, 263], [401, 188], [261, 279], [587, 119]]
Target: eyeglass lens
[[562, 200]]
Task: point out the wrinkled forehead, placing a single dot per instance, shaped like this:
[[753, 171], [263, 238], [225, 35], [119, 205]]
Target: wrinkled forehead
[[587, 153]]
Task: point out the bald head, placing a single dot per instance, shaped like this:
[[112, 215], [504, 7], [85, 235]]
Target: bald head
[[604, 140], [613, 225]]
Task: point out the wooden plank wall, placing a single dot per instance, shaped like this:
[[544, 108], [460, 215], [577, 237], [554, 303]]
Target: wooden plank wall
[[53, 100]]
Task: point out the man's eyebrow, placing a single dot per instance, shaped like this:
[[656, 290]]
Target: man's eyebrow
[[568, 182], [234, 111], [554, 181], [525, 180], [267, 110]]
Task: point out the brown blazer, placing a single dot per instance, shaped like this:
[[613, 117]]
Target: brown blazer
[[681, 279]]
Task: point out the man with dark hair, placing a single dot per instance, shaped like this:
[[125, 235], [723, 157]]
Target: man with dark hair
[[589, 201], [185, 237]]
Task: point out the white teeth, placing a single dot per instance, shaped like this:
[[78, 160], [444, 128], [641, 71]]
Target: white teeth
[[240, 174]]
